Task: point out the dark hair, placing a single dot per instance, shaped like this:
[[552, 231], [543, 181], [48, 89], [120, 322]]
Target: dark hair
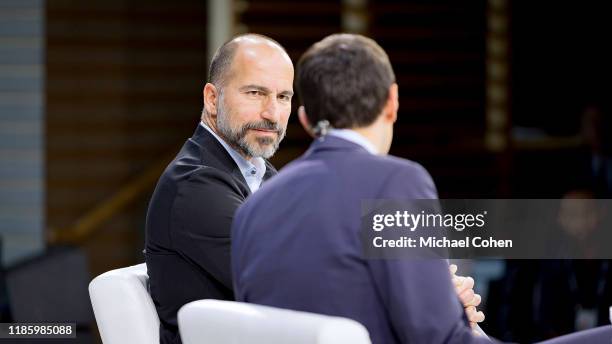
[[222, 60], [345, 79]]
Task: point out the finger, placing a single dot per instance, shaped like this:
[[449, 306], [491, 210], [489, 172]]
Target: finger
[[466, 283], [453, 269], [479, 317], [473, 315], [470, 312], [458, 281], [475, 301], [466, 296]]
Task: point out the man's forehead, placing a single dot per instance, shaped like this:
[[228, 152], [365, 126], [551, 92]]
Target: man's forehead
[[254, 63], [261, 51]]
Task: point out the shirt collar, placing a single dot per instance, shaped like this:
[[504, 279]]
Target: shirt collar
[[252, 171], [354, 137]]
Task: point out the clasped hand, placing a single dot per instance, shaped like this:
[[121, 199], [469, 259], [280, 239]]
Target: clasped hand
[[464, 286]]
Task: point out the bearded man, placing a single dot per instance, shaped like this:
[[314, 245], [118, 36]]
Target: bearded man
[[247, 102]]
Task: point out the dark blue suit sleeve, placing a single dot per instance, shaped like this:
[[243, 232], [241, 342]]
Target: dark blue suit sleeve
[[421, 302]]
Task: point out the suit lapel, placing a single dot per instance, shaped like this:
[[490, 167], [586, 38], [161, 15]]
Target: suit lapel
[[214, 154], [270, 171]]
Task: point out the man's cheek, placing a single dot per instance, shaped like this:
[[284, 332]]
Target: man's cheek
[[285, 116]]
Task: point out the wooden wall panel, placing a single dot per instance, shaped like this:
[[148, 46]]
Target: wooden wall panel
[[124, 81], [437, 49]]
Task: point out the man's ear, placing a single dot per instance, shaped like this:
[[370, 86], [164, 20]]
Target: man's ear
[[304, 121], [211, 97], [392, 104]]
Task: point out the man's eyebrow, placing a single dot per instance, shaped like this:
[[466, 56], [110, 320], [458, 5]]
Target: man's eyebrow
[[287, 93], [254, 87]]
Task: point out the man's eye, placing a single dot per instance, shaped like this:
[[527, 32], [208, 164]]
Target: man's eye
[[254, 93], [284, 97]]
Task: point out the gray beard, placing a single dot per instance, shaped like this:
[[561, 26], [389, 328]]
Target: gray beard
[[265, 146]]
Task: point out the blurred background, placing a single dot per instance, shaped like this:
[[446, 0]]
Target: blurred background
[[498, 99]]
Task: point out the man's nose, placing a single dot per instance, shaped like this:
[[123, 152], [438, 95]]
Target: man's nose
[[271, 110]]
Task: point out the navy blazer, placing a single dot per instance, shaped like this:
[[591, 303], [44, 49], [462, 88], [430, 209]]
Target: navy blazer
[[188, 228], [296, 244]]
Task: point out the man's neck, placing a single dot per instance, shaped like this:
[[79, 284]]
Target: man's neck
[[371, 135], [212, 125]]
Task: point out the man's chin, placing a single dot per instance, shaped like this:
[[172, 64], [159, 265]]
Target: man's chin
[[262, 149], [266, 151]]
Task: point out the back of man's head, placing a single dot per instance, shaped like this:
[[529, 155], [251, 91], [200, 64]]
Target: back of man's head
[[344, 79]]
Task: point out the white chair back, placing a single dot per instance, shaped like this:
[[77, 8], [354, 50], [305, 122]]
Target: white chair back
[[227, 322], [124, 310]]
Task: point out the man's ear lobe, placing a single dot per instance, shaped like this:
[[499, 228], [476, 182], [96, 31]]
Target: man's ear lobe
[[210, 99], [304, 121]]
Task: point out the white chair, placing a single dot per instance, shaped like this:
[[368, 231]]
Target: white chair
[[227, 322], [124, 310]]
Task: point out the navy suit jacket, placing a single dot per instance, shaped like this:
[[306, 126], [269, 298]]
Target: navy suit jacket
[[188, 228], [296, 244]]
